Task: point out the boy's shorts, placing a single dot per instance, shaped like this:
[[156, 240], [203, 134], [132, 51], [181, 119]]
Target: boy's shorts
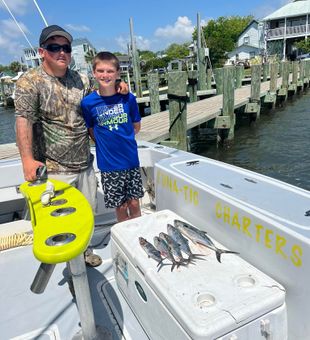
[[121, 186]]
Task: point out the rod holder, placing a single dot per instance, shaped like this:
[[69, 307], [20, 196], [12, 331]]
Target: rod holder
[[42, 277]]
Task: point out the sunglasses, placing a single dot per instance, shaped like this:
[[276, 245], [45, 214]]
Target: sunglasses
[[57, 48]]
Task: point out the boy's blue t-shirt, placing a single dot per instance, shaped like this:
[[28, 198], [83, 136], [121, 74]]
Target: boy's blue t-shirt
[[112, 119]]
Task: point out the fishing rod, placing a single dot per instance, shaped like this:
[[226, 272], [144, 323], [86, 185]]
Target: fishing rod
[[40, 12]]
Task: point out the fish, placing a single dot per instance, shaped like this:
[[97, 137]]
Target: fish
[[200, 237], [165, 250], [174, 247], [177, 236], [151, 251]]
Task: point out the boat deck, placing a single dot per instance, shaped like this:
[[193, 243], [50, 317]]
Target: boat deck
[[25, 320]]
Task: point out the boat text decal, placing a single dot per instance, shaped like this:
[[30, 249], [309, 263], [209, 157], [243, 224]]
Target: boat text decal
[[264, 236], [187, 192]]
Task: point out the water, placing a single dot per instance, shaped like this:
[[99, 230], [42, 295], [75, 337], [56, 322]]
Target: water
[[277, 145], [7, 126]]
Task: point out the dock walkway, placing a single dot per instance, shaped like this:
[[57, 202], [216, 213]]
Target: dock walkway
[[155, 128]]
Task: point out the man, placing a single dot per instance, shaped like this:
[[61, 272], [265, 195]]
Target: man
[[50, 128]]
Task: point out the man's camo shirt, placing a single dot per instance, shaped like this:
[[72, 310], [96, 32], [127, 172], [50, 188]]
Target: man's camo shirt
[[52, 104]]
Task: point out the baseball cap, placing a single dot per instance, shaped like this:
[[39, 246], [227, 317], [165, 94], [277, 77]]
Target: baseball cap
[[51, 31]]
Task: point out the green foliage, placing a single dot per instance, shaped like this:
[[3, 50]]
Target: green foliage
[[177, 51], [146, 55], [303, 46], [221, 36]]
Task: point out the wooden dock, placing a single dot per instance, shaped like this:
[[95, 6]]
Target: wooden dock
[[155, 128]]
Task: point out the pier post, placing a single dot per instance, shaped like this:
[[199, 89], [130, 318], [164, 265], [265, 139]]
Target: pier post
[[153, 86], [192, 85], [306, 72], [239, 75], [192, 89], [202, 67], [271, 96], [253, 107], [300, 81], [292, 88], [225, 123], [209, 79], [135, 62], [177, 110], [282, 93], [266, 69], [218, 74]]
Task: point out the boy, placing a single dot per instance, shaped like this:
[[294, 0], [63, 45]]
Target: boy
[[113, 120]]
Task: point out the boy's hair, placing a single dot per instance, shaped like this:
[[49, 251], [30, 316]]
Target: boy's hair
[[106, 56]]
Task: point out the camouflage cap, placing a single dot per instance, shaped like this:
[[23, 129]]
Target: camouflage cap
[[51, 31]]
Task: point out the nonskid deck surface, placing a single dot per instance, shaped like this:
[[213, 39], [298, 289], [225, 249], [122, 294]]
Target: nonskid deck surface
[[53, 314]]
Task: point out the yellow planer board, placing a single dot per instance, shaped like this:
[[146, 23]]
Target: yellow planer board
[[63, 228]]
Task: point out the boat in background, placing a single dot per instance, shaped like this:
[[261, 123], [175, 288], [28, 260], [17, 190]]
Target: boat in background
[[267, 221]]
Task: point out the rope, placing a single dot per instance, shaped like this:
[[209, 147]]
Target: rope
[[15, 240]]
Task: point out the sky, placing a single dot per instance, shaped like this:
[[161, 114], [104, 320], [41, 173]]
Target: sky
[[156, 23]]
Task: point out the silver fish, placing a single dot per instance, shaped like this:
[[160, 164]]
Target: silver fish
[[174, 247], [177, 236], [165, 250], [150, 250], [199, 236]]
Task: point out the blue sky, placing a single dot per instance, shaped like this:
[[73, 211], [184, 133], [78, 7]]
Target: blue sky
[[106, 23]]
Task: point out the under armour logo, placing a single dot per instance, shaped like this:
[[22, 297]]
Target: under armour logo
[[115, 126]]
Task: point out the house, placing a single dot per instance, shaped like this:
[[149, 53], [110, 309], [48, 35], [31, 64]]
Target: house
[[80, 47], [286, 26], [249, 45]]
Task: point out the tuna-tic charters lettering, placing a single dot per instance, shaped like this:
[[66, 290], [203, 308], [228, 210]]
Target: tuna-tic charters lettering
[[263, 235]]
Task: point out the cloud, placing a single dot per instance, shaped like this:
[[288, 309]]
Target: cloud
[[10, 29], [18, 7], [180, 31], [78, 28], [9, 35]]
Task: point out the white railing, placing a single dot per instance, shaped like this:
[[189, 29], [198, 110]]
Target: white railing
[[300, 30]]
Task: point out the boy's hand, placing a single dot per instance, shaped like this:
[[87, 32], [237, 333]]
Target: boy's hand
[[121, 87]]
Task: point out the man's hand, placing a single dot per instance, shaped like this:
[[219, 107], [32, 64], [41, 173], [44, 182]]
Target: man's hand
[[30, 167], [122, 87]]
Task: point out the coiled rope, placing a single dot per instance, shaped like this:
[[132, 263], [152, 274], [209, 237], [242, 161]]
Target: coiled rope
[[15, 240]]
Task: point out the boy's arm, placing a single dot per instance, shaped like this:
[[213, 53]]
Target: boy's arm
[[91, 133], [137, 127]]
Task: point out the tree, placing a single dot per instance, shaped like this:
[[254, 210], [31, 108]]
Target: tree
[[303, 46], [221, 36], [176, 51], [15, 66]]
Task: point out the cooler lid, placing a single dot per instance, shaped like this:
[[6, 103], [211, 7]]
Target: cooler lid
[[205, 297]]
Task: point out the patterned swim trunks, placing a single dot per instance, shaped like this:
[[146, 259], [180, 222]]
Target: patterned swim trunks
[[121, 186]]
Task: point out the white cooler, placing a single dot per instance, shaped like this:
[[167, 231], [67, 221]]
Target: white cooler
[[204, 300]]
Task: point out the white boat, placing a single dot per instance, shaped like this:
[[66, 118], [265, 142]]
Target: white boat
[[262, 293]]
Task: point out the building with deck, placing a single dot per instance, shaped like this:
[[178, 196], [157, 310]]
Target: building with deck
[[286, 26]]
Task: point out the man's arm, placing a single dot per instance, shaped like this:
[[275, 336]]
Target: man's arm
[[121, 87], [24, 143]]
